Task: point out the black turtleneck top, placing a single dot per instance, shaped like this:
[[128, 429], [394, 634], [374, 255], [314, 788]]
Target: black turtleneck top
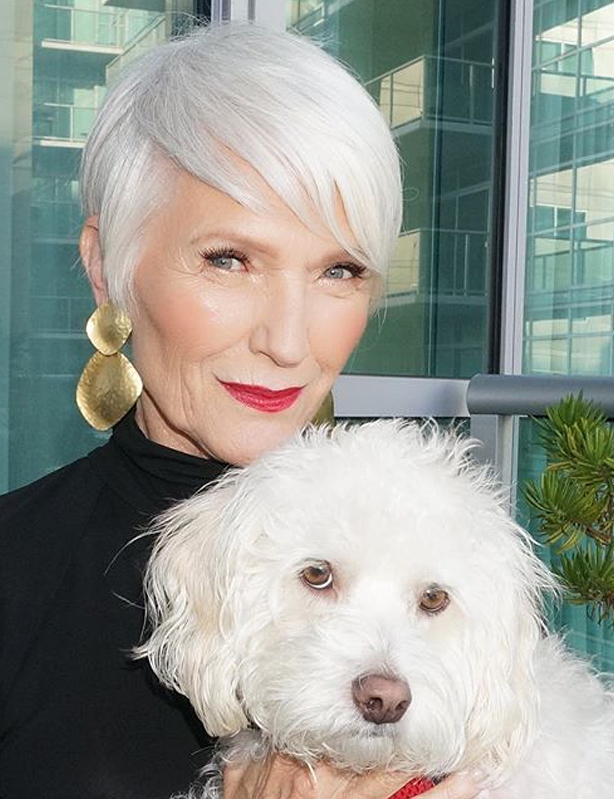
[[79, 718]]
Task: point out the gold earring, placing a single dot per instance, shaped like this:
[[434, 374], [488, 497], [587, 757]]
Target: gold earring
[[109, 384], [326, 412]]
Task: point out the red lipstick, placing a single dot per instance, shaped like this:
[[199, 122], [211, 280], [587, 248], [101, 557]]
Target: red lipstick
[[261, 398]]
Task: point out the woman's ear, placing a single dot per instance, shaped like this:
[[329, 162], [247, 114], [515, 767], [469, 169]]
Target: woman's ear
[[91, 255]]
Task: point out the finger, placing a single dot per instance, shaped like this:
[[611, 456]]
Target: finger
[[458, 786]]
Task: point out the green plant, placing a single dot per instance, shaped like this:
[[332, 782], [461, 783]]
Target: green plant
[[573, 501]]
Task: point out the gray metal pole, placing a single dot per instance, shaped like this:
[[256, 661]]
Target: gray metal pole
[[530, 395]]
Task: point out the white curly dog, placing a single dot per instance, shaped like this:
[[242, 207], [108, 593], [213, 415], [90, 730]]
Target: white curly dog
[[362, 596]]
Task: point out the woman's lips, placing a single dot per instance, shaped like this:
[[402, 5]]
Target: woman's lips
[[261, 398]]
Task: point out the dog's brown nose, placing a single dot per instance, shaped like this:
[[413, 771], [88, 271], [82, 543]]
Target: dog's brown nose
[[381, 699]]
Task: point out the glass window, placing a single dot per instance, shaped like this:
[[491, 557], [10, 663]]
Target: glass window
[[581, 630], [56, 60], [569, 293], [432, 68], [570, 259]]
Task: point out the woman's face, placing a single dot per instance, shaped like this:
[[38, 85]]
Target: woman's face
[[242, 321]]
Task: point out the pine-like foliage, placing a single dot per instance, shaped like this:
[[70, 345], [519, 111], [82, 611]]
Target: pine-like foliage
[[573, 501]]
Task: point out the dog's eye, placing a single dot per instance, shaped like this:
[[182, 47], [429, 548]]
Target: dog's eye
[[434, 599], [318, 575]]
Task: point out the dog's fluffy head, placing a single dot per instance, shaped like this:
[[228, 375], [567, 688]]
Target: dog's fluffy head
[[397, 510]]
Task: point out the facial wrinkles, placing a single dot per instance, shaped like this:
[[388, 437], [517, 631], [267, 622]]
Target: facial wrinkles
[[272, 320], [178, 300]]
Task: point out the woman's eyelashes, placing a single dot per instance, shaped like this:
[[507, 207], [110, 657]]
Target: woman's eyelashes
[[345, 271], [230, 259], [226, 259]]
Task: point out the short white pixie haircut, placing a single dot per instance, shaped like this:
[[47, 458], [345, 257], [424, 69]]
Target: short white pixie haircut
[[230, 94]]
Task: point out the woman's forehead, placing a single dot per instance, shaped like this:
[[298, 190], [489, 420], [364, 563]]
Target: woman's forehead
[[196, 211]]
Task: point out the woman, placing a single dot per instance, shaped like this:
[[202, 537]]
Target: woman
[[242, 200]]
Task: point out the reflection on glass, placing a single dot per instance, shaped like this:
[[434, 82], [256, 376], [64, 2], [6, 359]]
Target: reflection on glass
[[591, 355], [569, 297], [431, 69], [594, 190], [52, 91], [597, 25], [570, 262], [581, 631], [304, 13], [401, 94], [404, 274]]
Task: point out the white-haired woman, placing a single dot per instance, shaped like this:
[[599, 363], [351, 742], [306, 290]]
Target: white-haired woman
[[242, 196]]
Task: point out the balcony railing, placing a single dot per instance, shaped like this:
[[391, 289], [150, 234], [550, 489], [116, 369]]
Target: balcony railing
[[307, 14], [62, 122], [462, 252], [154, 33], [447, 89], [112, 28]]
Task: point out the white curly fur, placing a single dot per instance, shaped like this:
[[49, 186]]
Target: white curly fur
[[395, 508]]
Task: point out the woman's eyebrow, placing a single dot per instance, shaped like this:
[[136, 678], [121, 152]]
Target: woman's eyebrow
[[231, 236]]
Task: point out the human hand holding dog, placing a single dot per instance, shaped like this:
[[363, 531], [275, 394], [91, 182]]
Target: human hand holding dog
[[458, 786], [284, 778]]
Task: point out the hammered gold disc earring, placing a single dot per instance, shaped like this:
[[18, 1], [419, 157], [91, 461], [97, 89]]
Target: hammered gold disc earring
[[109, 385], [326, 412]]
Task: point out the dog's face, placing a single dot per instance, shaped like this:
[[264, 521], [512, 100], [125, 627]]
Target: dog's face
[[362, 598]]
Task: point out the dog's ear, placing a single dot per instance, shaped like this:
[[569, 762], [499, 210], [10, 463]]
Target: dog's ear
[[189, 585], [503, 655]]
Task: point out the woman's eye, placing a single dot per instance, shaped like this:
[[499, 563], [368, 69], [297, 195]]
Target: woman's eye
[[224, 260], [344, 271], [318, 575], [434, 599]]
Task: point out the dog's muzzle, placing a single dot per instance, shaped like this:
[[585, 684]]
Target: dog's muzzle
[[381, 699]]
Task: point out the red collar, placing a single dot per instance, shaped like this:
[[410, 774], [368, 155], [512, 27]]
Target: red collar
[[413, 788]]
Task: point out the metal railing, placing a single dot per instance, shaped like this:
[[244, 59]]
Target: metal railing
[[530, 395], [495, 403], [434, 87], [153, 34], [62, 121], [463, 251], [492, 403], [112, 28]]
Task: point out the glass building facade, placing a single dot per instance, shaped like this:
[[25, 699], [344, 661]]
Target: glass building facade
[[439, 71], [431, 68], [60, 56], [502, 187], [569, 289], [570, 255]]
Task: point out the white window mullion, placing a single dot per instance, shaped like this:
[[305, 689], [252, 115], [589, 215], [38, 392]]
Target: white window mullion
[[500, 434], [517, 179], [269, 13]]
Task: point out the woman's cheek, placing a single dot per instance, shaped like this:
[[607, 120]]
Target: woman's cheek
[[340, 327], [202, 319]]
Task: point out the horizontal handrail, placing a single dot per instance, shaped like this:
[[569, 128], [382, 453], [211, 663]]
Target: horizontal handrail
[[522, 395]]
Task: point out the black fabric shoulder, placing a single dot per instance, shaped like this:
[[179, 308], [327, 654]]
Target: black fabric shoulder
[[39, 529], [79, 718], [27, 500]]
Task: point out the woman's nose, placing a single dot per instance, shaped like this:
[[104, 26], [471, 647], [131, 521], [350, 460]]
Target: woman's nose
[[281, 329]]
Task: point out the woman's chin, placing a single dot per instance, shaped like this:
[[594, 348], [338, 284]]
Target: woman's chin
[[242, 443]]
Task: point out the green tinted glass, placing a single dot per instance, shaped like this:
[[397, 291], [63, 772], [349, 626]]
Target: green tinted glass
[[570, 264], [432, 68], [51, 90]]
